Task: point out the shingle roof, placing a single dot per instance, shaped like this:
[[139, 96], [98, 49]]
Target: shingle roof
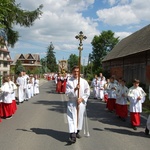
[[35, 57], [135, 43]]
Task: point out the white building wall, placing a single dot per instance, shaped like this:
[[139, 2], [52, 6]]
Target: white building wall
[[4, 63]]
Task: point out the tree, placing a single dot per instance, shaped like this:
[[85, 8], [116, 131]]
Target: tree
[[3, 9], [11, 14], [72, 61], [18, 67], [43, 63], [101, 45], [51, 63]]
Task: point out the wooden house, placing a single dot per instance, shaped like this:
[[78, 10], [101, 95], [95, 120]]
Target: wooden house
[[130, 58]]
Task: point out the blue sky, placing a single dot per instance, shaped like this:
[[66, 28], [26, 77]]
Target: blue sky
[[62, 20]]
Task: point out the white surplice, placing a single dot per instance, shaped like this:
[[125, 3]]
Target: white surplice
[[84, 91], [21, 85], [133, 94]]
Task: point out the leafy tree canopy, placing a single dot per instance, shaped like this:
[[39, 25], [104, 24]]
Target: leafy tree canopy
[[11, 14], [72, 61], [18, 67], [101, 45], [51, 59]]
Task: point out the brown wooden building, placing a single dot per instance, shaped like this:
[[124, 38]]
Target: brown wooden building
[[29, 61], [130, 58]]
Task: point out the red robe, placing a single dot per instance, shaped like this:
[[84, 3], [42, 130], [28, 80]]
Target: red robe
[[59, 85], [64, 85]]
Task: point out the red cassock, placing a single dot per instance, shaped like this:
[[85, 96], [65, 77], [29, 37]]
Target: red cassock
[[122, 110], [64, 85], [59, 85], [8, 105], [135, 118], [105, 98], [7, 109], [111, 103]]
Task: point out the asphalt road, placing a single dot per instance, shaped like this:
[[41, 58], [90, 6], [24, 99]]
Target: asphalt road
[[41, 124]]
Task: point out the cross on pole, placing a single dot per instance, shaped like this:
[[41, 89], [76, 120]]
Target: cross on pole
[[80, 37]]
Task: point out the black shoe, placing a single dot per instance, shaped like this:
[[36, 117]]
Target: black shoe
[[146, 131], [72, 138], [78, 135], [118, 117], [123, 119], [111, 111], [134, 127]]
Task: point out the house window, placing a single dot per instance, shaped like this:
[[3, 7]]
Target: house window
[[5, 64], [5, 54], [31, 62], [5, 73], [2, 46]]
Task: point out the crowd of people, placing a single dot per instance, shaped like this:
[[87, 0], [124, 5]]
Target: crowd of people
[[12, 93], [114, 93], [118, 96]]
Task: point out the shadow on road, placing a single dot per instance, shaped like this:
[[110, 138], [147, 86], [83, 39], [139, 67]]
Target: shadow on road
[[128, 132], [123, 131], [57, 105], [58, 135]]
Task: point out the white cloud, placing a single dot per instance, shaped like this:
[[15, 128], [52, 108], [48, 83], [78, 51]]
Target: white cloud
[[122, 35], [125, 12], [118, 15], [117, 2], [141, 9], [112, 2], [61, 21]]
